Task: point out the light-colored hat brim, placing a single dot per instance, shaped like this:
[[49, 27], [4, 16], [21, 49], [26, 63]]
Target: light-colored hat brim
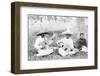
[[66, 32]]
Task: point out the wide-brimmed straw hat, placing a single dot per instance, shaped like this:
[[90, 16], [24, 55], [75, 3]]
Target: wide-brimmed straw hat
[[67, 32], [43, 33]]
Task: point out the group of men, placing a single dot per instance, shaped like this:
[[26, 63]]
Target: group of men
[[65, 45]]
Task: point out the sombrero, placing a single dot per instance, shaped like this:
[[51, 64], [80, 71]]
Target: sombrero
[[43, 33], [67, 32]]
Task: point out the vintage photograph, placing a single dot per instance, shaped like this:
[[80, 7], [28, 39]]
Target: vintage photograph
[[52, 37]]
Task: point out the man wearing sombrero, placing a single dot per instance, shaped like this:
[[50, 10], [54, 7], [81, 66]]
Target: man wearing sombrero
[[41, 44], [68, 43]]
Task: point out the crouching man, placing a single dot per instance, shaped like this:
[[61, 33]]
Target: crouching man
[[68, 47], [42, 44]]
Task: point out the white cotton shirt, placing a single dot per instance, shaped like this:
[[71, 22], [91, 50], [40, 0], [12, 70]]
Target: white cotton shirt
[[38, 41], [68, 43]]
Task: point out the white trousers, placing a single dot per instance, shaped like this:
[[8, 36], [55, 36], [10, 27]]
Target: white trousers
[[42, 52], [62, 52]]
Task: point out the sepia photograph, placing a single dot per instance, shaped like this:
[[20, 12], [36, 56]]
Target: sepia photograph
[[52, 37]]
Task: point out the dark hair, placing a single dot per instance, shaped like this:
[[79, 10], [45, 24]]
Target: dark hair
[[42, 36], [81, 34]]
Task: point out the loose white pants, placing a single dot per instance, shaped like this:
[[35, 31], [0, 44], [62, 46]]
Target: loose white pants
[[42, 52]]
